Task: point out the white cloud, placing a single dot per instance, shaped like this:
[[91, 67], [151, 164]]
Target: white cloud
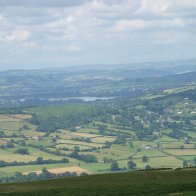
[[94, 30], [72, 48], [16, 36], [30, 45], [43, 3], [125, 25]]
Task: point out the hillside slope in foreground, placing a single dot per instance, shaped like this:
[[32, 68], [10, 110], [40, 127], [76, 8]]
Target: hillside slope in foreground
[[168, 182]]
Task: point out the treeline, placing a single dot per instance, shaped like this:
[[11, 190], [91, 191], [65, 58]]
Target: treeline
[[83, 157], [32, 176], [6, 110], [39, 161], [75, 154]]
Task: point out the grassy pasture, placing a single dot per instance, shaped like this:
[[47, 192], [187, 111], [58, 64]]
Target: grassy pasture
[[14, 118], [45, 111], [11, 132], [8, 156], [97, 167], [89, 130], [70, 135], [149, 153], [166, 131], [21, 116], [192, 134], [37, 153], [59, 170], [123, 148], [102, 139], [174, 145], [28, 168], [78, 143], [44, 142], [166, 138], [85, 135], [144, 143], [5, 118], [32, 132], [156, 162], [181, 151], [12, 126], [64, 135], [160, 162], [71, 146], [177, 145], [120, 153]]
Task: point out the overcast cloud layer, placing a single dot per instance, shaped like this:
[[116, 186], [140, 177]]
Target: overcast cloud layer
[[41, 33]]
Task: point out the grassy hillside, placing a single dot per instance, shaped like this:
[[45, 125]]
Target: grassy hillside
[[45, 111], [170, 182]]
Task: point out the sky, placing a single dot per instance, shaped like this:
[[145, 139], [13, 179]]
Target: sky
[[55, 33]]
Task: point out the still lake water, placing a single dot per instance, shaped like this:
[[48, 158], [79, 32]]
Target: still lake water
[[86, 99]]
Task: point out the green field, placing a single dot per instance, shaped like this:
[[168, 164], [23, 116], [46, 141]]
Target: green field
[[45, 111]]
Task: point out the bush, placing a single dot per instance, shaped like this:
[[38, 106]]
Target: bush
[[131, 165], [147, 167], [22, 151]]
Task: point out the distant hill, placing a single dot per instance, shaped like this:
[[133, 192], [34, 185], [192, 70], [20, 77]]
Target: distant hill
[[53, 86]]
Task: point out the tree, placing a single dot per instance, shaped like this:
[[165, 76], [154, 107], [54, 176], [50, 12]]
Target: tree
[[74, 154], [2, 134], [22, 151], [194, 160], [186, 141], [83, 174], [107, 160], [131, 165], [147, 167], [25, 127], [87, 158], [114, 166], [185, 164], [102, 128], [32, 176], [40, 161], [107, 144], [44, 170], [34, 120], [145, 158], [19, 176], [9, 145], [120, 140], [2, 163], [23, 143], [77, 148], [182, 147]]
